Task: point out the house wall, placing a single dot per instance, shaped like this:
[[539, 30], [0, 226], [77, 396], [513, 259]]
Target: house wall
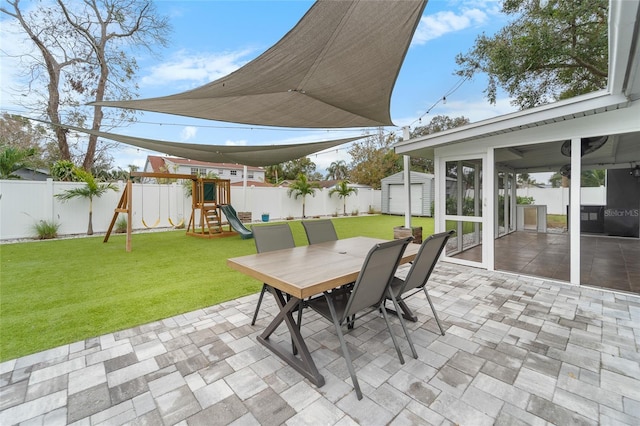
[[24, 203], [232, 174]]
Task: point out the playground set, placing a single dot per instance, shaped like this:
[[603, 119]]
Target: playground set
[[210, 198]]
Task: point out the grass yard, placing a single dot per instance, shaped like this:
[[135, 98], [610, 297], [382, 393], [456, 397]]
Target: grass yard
[[57, 292], [556, 221]]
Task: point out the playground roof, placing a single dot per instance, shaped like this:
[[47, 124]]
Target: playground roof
[[335, 68]]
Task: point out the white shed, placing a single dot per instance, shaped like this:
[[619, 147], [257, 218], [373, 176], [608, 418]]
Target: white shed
[[394, 198]]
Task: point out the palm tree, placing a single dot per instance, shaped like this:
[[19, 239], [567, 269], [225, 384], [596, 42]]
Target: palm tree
[[92, 189], [337, 170], [303, 187], [13, 159], [343, 190]]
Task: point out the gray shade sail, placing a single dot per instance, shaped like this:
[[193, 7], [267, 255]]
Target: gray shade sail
[[335, 68], [261, 155]]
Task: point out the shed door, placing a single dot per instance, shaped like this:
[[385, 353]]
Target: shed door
[[397, 199]]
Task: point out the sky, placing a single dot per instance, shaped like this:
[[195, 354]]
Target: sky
[[212, 38]]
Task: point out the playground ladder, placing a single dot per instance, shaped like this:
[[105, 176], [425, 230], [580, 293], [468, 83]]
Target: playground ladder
[[212, 217]]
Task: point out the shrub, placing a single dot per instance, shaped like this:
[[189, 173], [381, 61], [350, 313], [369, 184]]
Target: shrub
[[46, 230], [121, 225]]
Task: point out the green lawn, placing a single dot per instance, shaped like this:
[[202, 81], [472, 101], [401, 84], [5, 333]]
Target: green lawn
[[61, 291]]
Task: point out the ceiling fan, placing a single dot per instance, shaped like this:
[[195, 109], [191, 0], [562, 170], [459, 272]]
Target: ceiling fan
[[565, 171], [588, 145]]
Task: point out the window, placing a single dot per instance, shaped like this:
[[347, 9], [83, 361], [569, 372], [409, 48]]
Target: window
[[250, 175], [198, 171], [234, 172]]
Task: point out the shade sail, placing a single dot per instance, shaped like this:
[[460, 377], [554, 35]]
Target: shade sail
[[335, 68], [261, 155]]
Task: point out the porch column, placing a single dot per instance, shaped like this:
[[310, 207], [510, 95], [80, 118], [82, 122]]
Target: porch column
[[574, 210], [489, 197], [407, 181]]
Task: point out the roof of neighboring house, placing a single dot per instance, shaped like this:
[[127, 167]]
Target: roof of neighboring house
[[28, 173], [158, 162]]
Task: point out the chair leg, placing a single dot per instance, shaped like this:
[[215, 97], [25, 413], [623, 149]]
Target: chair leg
[[255, 314], [393, 337], [433, 310], [404, 328], [343, 345]]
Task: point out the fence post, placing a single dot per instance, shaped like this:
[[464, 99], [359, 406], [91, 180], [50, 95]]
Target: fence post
[[48, 213]]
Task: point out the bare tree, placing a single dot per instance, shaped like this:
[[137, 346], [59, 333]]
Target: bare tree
[[84, 52]]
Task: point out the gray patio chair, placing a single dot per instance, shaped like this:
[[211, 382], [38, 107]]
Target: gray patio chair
[[270, 238], [417, 277], [319, 231], [368, 295]]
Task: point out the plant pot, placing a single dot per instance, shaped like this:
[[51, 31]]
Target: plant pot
[[265, 217]]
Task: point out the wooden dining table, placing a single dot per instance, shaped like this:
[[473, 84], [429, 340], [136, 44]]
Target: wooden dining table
[[300, 273]]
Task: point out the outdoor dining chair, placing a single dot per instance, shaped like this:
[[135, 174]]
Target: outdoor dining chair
[[417, 277], [270, 238], [368, 295], [319, 231]]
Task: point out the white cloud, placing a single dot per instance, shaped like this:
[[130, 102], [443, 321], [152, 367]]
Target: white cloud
[[196, 68], [474, 109], [441, 23], [189, 132], [241, 142]]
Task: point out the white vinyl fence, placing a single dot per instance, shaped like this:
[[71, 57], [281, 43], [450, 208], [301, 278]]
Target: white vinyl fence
[[557, 199], [25, 203]]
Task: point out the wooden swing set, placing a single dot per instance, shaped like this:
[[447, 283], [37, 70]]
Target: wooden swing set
[[207, 195]]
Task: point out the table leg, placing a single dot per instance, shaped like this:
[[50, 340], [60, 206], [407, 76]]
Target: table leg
[[406, 312], [304, 365]]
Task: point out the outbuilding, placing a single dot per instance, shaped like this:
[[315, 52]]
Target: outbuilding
[[394, 196]]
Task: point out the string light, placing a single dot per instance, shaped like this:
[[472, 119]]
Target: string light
[[443, 99]]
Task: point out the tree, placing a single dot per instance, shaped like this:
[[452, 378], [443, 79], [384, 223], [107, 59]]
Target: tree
[[19, 132], [91, 190], [292, 169], [592, 178], [63, 170], [556, 180], [337, 170], [552, 50], [525, 180], [302, 187], [439, 123], [274, 174], [84, 53], [374, 159], [343, 190], [13, 159]]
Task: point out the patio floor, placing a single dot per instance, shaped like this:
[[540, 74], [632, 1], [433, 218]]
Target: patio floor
[[516, 351], [609, 262]]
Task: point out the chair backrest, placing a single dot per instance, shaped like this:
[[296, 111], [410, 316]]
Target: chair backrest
[[375, 276], [425, 261], [319, 231], [272, 237]]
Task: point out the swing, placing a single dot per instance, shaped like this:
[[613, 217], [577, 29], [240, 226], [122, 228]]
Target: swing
[[142, 213], [179, 224]]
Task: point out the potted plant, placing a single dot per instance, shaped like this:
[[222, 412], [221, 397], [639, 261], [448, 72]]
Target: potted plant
[[265, 217]]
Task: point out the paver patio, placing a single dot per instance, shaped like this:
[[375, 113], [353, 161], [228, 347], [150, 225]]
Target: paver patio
[[516, 351]]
